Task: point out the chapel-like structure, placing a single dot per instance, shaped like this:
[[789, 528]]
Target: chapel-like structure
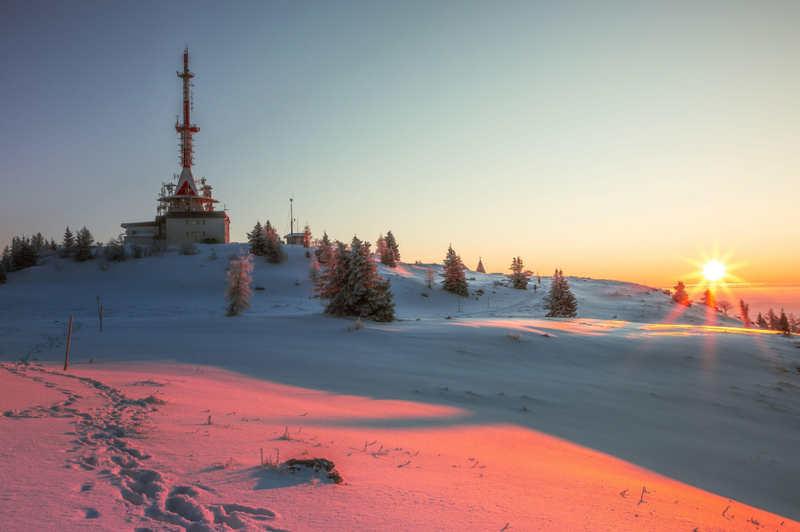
[[185, 212]]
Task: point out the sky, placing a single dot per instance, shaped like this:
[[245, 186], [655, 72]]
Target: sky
[[617, 140]]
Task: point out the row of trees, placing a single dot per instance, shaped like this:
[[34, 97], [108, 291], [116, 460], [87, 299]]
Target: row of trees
[[25, 252], [772, 321], [560, 301]]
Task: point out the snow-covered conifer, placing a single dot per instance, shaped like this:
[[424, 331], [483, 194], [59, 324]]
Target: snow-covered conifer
[[351, 286], [519, 277], [314, 269], [38, 242], [783, 323], [23, 253], [680, 296], [238, 293], [307, 235], [324, 251], [257, 240], [392, 243], [6, 259], [772, 320], [83, 245], [560, 301], [455, 280], [386, 253], [430, 277], [332, 279], [68, 244], [708, 299], [761, 322], [744, 314], [274, 249]]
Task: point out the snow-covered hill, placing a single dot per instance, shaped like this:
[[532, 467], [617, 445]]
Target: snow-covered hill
[[466, 413]]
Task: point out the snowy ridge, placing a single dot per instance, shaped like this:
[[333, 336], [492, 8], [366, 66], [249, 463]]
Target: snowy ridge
[[637, 414]]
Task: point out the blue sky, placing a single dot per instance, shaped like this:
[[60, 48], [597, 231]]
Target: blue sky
[[616, 139]]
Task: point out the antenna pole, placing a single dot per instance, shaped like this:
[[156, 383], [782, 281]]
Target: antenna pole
[[187, 129], [291, 220]]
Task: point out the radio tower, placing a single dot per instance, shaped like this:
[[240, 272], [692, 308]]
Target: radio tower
[[185, 212], [186, 196], [187, 129]]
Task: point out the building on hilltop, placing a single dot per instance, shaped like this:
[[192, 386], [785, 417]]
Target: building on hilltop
[[299, 239], [185, 213], [480, 268]]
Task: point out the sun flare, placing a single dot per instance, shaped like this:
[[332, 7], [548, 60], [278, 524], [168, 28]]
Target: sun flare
[[714, 270]]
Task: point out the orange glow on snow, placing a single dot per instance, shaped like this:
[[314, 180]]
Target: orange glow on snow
[[457, 473]]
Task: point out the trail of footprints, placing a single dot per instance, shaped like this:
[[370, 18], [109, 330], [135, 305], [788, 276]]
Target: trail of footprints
[[103, 447]]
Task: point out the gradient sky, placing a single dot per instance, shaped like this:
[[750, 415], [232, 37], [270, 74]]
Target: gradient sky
[[615, 140]]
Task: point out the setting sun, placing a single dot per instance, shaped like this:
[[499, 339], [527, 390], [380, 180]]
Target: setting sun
[[714, 270]]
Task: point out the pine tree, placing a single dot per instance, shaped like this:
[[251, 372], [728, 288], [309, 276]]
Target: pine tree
[[332, 280], [385, 253], [314, 269], [23, 253], [306, 236], [83, 245], [761, 322], [744, 313], [560, 301], [53, 246], [274, 249], [455, 280], [680, 296], [430, 277], [68, 244], [708, 299], [783, 324], [8, 264], [38, 242], [519, 276], [351, 286], [257, 240], [238, 293], [3, 274], [392, 243], [772, 320]]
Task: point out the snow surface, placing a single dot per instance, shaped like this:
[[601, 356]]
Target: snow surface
[[465, 414]]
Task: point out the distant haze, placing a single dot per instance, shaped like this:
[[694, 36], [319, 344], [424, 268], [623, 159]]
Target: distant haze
[[609, 139]]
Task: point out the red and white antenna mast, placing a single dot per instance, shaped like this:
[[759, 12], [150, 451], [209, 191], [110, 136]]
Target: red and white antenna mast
[[187, 129]]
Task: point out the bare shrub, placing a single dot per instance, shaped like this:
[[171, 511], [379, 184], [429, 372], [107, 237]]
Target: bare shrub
[[188, 248], [517, 337], [157, 248], [102, 261], [357, 326]]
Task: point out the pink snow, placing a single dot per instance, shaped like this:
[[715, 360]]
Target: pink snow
[[161, 420]]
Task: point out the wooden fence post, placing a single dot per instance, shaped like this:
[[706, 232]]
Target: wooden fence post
[[69, 339]]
